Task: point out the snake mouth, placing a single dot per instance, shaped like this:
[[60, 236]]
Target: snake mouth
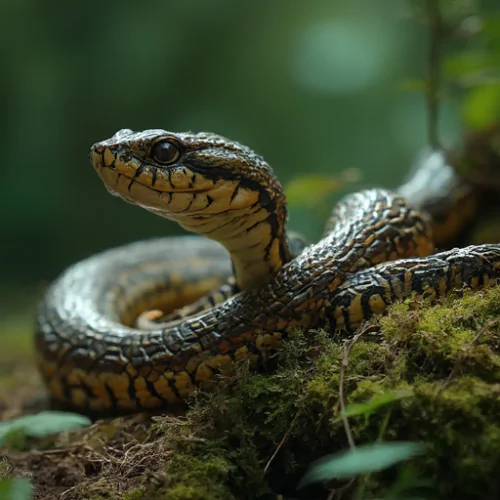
[[135, 170], [145, 181]]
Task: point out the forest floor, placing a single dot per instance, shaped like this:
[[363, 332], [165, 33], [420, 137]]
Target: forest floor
[[424, 374]]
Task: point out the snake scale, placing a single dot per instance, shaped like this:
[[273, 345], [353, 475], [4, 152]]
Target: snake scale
[[377, 249]]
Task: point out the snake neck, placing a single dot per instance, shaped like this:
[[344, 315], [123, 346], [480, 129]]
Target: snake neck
[[252, 228]]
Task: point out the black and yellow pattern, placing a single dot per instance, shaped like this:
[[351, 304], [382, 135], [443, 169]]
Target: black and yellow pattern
[[377, 249]]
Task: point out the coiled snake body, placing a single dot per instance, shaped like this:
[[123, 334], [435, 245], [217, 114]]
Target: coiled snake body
[[377, 249]]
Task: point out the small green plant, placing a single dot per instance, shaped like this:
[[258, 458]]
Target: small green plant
[[16, 489], [360, 460], [374, 403], [41, 424]]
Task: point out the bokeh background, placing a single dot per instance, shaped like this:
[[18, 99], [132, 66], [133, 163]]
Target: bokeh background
[[317, 87]]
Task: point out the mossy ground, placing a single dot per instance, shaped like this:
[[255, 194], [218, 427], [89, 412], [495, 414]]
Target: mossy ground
[[254, 436]]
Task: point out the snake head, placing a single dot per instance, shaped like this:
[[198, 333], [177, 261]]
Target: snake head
[[209, 185], [179, 175]]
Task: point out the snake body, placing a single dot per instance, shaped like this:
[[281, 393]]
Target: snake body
[[377, 249]]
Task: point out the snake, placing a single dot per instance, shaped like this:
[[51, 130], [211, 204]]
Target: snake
[[233, 292]]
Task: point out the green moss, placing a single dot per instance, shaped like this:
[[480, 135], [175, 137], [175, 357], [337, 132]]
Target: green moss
[[97, 491], [15, 439], [458, 335], [134, 494], [202, 477], [447, 356], [190, 492]]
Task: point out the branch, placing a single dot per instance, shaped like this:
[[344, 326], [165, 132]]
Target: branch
[[437, 34]]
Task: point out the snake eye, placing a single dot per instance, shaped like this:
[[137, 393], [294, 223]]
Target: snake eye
[[165, 152]]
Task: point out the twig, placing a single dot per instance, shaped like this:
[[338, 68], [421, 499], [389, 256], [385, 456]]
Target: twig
[[343, 366], [281, 443], [345, 361], [340, 491], [436, 32], [348, 345]]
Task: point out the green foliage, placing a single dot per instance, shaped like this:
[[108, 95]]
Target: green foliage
[[482, 106], [16, 489], [311, 190], [476, 69], [41, 424], [407, 486], [413, 85], [359, 460], [376, 402], [466, 64], [467, 59]]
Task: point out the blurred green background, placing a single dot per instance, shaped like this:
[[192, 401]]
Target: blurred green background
[[314, 86]]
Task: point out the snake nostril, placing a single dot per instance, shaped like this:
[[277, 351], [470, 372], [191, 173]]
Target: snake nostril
[[97, 148]]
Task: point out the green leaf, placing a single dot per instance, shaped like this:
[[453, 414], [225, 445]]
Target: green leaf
[[413, 85], [42, 424], [311, 190], [16, 489], [360, 460], [481, 107], [465, 63], [374, 403]]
